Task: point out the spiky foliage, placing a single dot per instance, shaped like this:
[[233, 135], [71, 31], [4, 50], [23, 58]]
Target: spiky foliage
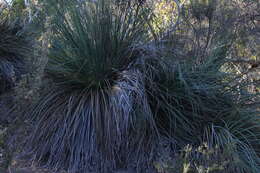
[[115, 94], [14, 47], [201, 103], [196, 100], [97, 115]]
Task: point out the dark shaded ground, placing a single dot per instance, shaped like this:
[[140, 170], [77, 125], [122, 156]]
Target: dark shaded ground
[[12, 134]]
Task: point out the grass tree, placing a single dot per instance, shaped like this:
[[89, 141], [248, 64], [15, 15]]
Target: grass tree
[[117, 91], [97, 112], [205, 103]]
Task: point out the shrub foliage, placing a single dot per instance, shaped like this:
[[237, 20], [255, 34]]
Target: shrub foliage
[[15, 46], [118, 91]]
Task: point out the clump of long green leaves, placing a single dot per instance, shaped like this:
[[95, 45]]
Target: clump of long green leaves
[[204, 103], [97, 115], [115, 94], [15, 45], [93, 41]]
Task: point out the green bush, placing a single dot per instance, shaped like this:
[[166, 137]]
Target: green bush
[[117, 92], [92, 110], [199, 104], [15, 46]]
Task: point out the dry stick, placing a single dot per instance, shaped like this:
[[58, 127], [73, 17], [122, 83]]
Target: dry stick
[[28, 6]]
